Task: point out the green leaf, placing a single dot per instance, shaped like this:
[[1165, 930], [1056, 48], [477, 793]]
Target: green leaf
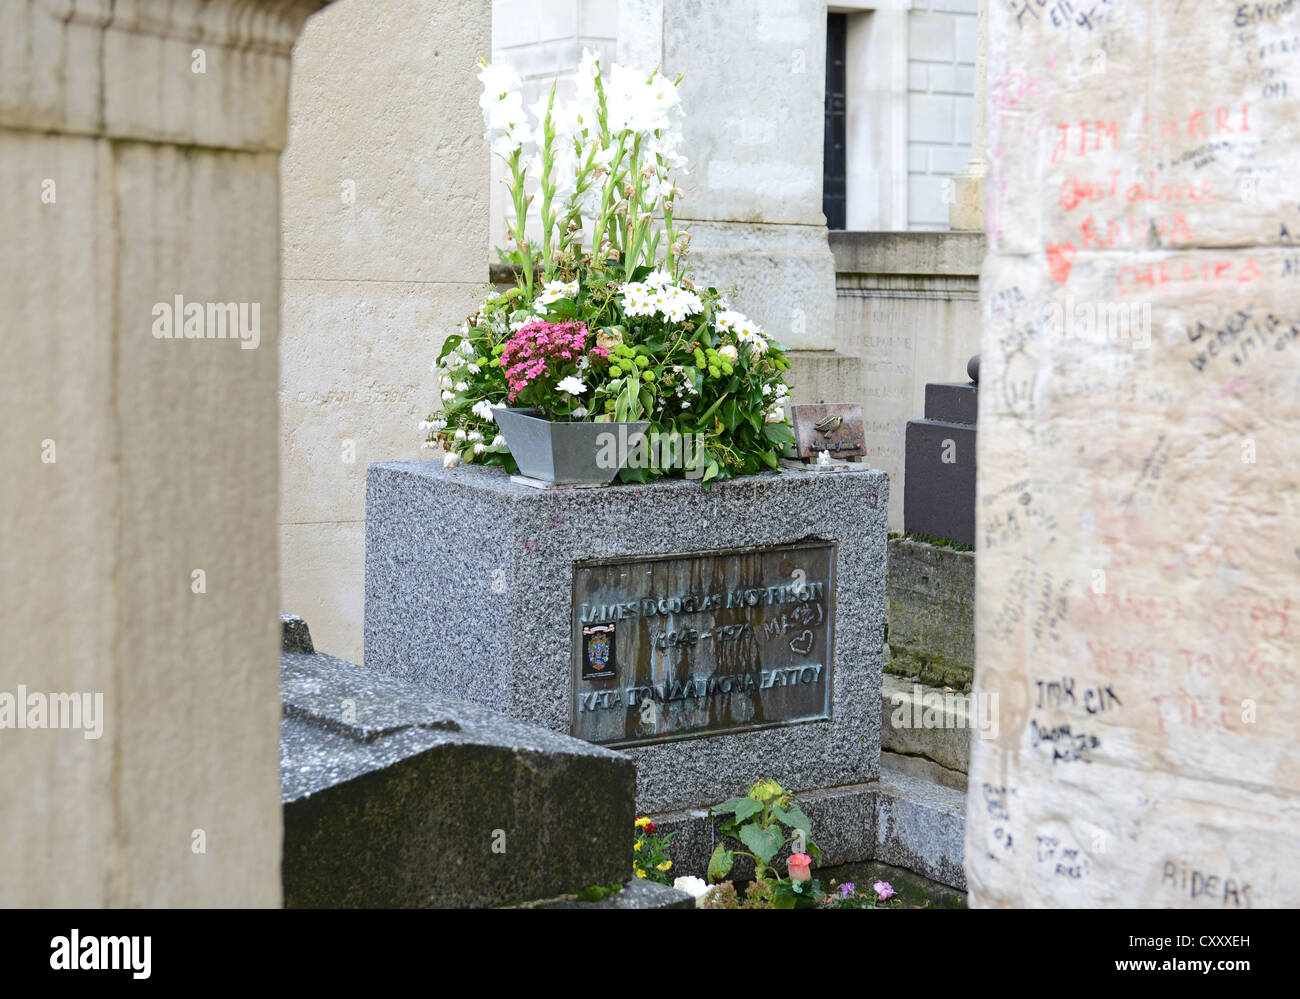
[[448, 345], [720, 863], [794, 818], [729, 805], [765, 843], [769, 459], [710, 471], [783, 897], [778, 433], [746, 808]]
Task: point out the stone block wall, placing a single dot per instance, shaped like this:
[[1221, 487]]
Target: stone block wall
[[384, 230], [940, 97]]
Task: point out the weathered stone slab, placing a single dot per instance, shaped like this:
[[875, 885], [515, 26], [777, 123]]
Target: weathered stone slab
[[397, 797], [470, 591], [931, 612], [926, 722], [637, 894]]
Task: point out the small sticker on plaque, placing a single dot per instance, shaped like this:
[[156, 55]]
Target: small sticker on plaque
[[598, 652]]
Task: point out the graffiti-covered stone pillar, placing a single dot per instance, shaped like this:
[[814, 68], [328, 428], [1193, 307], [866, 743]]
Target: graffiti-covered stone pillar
[[1138, 491]]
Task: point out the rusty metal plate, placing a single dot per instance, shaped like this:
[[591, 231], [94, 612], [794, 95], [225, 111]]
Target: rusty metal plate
[[835, 427], [681, 647]]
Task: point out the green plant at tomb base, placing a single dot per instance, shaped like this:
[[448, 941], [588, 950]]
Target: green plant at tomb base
[[604, 323], [650, 858], [767, 820]]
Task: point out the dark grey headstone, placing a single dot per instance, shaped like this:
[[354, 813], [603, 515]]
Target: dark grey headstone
[[952, 402], [939, 485]]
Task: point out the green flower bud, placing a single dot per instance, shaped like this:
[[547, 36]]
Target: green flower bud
[[609, 405], [713, 371], [699, 358], [643, 362], [615, 371], [649, 376], [726, 368]]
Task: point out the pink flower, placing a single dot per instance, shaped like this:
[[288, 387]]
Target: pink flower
[[798, 865], [884, 890]]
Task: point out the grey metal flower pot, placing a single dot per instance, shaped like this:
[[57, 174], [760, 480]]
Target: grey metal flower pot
[[568, 453]]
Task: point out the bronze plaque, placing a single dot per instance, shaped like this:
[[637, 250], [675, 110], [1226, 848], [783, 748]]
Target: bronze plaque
[[834, 427], [680, 647]]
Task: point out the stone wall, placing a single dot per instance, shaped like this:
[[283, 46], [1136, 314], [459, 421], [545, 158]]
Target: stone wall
[[940, 100], [385, 241], [906, 313], [1138, 491], [138, 162]]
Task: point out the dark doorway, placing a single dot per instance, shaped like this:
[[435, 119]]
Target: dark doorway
[[834, 167]]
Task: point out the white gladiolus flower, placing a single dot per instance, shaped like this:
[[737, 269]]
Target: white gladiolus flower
[[503, 109], [579, 413], [462, 386], [429, 444], [571, 385], [474, 435], [480, 447], [460, 434], [483, 410], [450, 460], [448, 396], [498, 441], [473, 368]]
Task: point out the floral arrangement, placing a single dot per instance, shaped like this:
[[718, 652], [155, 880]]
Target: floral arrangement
[[847, 896], [604, 323], [650, 858], [771, 895]]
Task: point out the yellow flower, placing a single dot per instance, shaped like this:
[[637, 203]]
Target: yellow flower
[[642, 822], [636, 845], [664, 866], [640, 874]]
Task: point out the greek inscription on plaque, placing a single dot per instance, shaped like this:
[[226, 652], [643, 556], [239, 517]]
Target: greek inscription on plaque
[[681, 647]]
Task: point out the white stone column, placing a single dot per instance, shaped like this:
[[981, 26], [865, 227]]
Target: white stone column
[[138, 164], [385, 230], [753, 93], [966, 209]]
